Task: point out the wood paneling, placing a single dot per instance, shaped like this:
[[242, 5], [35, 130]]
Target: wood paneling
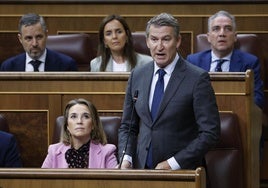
[[99, 178], [30, 128], [10, 45]]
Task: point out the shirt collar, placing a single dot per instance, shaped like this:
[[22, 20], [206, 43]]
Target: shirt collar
[[42, 58], [169, 68], [215, 58]]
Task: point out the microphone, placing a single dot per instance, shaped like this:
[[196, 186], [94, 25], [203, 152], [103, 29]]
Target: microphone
[[135, 97]]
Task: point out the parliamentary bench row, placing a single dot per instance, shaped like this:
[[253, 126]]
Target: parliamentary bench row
[[222, 161], [83, 46], [33, 101]]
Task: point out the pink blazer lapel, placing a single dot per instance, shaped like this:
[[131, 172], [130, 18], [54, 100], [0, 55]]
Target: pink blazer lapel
[[95, 159], [60, 156]]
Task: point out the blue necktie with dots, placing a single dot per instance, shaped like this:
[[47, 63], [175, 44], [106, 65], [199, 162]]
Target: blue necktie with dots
[[158, 94], [219, 64]]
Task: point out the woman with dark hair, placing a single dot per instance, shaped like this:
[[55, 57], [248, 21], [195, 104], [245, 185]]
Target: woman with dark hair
[[83, 141], [115, 50]]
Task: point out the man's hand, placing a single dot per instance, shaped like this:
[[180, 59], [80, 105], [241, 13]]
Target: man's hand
[[126, 165], [163, 165]]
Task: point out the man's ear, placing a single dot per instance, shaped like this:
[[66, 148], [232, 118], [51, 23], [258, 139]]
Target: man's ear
[[208, 37], [20, 37], [178, 42], [235, 37]]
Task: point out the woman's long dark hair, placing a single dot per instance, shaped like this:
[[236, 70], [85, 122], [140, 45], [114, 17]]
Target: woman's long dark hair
[[105, 53]]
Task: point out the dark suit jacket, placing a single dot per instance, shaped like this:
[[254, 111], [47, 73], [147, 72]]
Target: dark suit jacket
[[240, 62], [186, 126], [9, 154], [55, 61]]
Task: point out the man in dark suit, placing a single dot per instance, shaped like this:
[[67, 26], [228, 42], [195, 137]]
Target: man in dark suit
[[9, 153], [222, 36], [178, 133], [33, 36]]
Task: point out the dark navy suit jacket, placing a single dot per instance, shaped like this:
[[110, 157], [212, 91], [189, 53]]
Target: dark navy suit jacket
[[240, 62], [55, 61], [186, 125], [9, 153]]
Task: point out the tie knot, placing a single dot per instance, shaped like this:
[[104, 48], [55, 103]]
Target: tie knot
[[219, 63], [36, 64], [161, 73], [221, 60]]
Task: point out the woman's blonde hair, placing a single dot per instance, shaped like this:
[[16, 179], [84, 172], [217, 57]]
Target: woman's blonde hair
[[97, 134]]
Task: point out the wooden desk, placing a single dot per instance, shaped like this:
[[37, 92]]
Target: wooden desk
[[32, 101], [93, 178]]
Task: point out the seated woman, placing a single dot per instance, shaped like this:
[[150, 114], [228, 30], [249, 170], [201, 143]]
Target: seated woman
[[115, 51], [83, 142]]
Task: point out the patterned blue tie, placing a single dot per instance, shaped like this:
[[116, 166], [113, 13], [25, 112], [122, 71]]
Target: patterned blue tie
[[158, 94], [219, 64]]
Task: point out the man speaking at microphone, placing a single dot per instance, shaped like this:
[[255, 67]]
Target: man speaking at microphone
[[173, 120]]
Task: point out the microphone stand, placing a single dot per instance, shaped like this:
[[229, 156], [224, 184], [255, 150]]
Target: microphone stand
[[129, 128]]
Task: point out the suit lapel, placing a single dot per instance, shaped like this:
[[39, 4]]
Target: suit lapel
[[21, 66], [235, 63], [147, 80], [109, 66], [50, 61], [206, 61], [143, 80], [60, 155], [175, 80], [94, 159]]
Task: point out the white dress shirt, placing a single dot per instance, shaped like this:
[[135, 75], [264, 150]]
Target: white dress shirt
[[225, 66], [29, 66]]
